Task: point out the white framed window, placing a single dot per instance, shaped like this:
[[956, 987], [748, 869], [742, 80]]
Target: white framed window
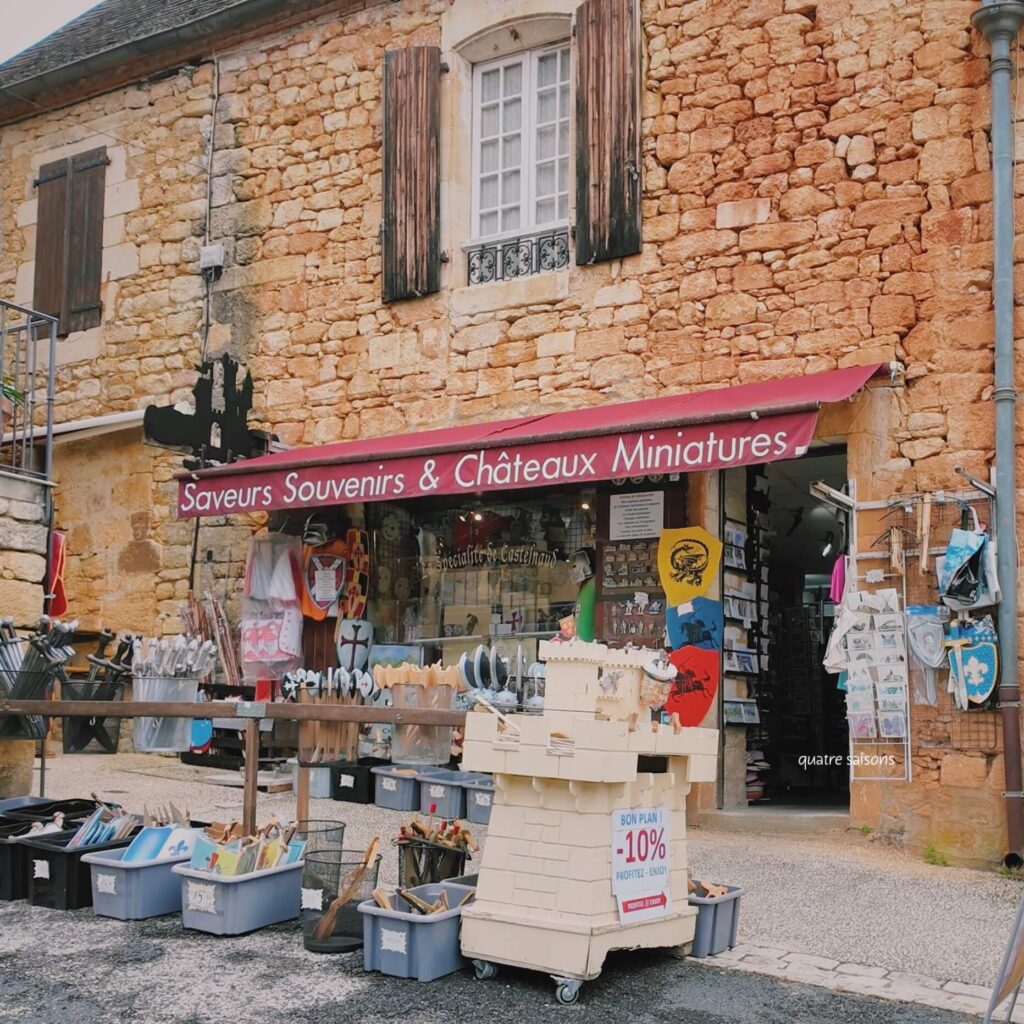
[[521, 143]]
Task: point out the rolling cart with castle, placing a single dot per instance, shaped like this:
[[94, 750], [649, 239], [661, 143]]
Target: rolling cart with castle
[[586, 847]]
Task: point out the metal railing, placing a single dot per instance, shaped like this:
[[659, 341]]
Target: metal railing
[[28, 351], [509, 258]]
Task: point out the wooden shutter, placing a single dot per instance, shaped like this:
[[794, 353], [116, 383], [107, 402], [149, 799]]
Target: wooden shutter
[[51, 220], [86, 183], [607, 130], [410, 232]]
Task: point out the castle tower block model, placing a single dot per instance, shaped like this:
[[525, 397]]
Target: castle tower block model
[[560, 869]]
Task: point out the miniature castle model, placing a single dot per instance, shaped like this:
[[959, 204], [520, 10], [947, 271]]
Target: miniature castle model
[[544, 897]]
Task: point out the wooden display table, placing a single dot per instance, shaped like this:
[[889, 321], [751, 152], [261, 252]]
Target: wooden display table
[[545, 897]]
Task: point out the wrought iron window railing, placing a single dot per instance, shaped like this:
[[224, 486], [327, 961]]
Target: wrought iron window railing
[[509, 258], [28, 349]]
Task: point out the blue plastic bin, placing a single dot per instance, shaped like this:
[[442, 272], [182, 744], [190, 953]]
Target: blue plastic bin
[[479, 798], [233, 905], [405, 944], [442, 790], [16, 803], [717, 920], [133, 891], [397, 786]]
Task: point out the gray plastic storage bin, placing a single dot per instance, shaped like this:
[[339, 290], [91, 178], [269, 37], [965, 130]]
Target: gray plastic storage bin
[[136, 890], [717, 920], [459, 888], [399, 792], [443, 791], [241, 903], [479, 798], [405, 944]]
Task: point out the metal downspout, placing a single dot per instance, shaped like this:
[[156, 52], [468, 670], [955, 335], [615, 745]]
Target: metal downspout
[[1000, 22]]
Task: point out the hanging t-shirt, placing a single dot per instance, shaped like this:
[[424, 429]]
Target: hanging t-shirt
[[324, 571]]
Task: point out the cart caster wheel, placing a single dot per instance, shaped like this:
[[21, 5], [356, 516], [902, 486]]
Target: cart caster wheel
[[567, 992], [484, 970]]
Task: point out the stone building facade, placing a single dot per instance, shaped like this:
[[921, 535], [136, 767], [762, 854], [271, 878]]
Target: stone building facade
[[816, 194]]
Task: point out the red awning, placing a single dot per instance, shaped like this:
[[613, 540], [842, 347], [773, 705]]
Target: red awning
[[718, 429]]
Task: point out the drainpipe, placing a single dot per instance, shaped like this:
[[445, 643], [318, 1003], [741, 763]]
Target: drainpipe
[[999, 23]]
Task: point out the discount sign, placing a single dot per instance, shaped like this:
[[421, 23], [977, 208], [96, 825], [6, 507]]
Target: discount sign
[[640, 864]]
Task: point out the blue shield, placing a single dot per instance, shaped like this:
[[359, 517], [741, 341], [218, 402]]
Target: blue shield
[[702, 627]]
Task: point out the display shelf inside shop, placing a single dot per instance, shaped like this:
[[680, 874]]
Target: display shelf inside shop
[[226, 746]]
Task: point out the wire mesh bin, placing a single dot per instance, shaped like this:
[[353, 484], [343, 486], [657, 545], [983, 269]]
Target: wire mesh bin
[[321, 836], [98, 734], [164, 735], [423, 863], [26, 685], [324, 877]]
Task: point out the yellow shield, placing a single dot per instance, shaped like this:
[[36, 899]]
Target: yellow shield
[[688, 561]]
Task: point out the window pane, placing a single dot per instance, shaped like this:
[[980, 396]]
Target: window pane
[[545, 143], [512, 115], [563, 71], [563, 207], [512, 152], [489, 156], [489, 123], [489, 192], [563, 138], [510, 187], [490, 82], [563, 101], [545, 179], [489, 223], [547, 69], [545, 211], [547, 110], [510, 218], [513, 80], [563, 175]]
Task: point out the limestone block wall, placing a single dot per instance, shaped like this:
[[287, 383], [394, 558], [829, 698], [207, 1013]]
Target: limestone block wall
[[22, 549]]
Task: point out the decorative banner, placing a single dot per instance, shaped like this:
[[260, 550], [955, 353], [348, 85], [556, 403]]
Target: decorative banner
[[701, 626], [307, 479], [688, 561], [696, 684]]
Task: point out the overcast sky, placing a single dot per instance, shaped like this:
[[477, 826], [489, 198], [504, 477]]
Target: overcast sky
[[27, 21]]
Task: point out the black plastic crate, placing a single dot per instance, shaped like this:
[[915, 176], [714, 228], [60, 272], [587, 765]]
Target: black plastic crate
[[57, 876], [353, 782], [73, 810], [14, 859]]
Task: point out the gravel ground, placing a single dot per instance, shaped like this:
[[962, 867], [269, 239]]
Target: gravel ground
[[106, 972], [839, 896]]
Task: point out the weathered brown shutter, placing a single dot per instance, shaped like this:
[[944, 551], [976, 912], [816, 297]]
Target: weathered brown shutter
[[410, 233], [607, 130], [86, 183], [51, 219]]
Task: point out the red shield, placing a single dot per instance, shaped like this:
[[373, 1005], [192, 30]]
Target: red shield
[[696, 683], [325, 578]]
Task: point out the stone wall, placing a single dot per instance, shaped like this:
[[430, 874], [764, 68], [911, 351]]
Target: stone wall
[[22, 549], [816, 195]]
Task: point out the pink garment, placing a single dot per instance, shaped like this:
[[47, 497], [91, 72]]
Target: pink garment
[[838, 587]]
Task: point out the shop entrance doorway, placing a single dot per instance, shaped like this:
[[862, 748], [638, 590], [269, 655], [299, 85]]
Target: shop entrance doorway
[[793, 752]]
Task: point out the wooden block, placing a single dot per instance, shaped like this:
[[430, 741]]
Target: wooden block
[[703, 768], [482, 726], [534, 730], [482, 757], [495, 885], [592, 766], [602, 736]]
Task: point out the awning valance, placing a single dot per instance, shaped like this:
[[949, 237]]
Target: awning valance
[[717, 429]]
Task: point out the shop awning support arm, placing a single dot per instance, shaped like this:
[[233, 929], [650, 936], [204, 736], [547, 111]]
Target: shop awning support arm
[[999, 23]]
